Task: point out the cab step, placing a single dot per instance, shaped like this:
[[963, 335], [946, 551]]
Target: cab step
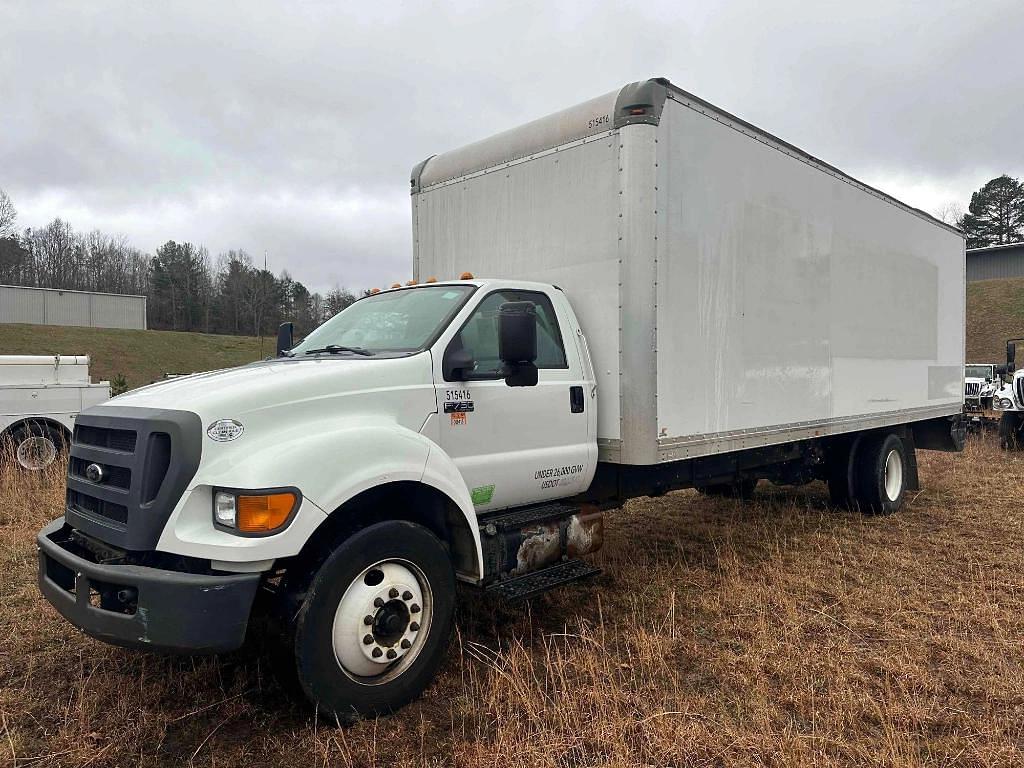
[[524, 516], [529, 585]]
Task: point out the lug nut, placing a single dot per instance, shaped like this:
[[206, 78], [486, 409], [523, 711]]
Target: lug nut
[[393, 593], [414, 608], [367, 639], [391, 653], [406, 644], [415, 627], [378, 603], [377, 653], [367, 620], [407, 595]]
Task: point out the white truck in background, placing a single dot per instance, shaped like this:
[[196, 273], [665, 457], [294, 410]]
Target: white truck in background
[[1008, 400], [638, 294], [40, 396]]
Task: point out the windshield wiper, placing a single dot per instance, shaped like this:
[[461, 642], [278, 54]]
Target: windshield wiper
[[333, 349]]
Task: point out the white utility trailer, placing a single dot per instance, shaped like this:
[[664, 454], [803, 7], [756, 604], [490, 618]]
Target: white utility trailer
[[40, 396]]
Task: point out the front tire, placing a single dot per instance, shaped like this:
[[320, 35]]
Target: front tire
[[881, 476], [375, 624], [1010, 431]]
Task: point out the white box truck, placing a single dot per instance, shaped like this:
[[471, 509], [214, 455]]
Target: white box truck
[[40, 396], [638, 294]]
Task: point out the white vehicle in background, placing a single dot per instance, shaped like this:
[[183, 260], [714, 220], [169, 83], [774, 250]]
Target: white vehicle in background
[[1009, 401], [980, 384], [981, 380], [40, 397]]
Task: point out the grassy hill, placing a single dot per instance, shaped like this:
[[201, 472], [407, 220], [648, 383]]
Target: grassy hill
[[995, 313], [141, 356]]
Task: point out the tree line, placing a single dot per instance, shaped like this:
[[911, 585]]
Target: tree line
[[186, 289]]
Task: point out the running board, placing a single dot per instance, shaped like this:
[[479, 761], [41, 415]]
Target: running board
[[531, 584]]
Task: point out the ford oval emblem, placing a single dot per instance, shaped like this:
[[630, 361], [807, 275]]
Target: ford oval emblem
[[224, 430], [94, 473]]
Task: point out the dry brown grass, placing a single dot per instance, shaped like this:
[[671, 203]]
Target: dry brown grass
[[775, 633]]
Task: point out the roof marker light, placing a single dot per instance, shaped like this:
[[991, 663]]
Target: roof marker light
[[374, 290], [466, 276], [431, 279], [411, 282], [396, 285]]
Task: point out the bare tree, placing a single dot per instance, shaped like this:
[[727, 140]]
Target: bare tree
[[8, 215], [951, 212]]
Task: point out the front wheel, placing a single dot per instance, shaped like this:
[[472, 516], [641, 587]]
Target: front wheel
[[1010, 431], [376, 621]]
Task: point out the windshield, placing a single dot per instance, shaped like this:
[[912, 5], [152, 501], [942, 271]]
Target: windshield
[[399, 322], [978, 372]]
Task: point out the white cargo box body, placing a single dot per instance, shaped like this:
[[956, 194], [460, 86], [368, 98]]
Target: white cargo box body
[[735, 292]]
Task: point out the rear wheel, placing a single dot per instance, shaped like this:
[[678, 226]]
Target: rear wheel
[[37, 445], [881, 474], [375, 623]]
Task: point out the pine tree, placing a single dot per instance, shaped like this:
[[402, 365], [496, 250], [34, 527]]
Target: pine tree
[[996, 214]]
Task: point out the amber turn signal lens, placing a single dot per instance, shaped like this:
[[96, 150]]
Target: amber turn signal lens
[[265, 513], [466, 276]]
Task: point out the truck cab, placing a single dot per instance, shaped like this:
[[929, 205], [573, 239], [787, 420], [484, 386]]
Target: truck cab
[[422, 407]]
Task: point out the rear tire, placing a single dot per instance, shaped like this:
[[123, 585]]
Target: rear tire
[[882, 471], [375, 623], [37, 445]]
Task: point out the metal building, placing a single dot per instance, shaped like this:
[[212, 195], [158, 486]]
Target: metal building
[[995, 261], [51, 306]]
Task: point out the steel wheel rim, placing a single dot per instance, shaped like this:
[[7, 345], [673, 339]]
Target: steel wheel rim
[[893, 475], [397, 619], [35, 453]]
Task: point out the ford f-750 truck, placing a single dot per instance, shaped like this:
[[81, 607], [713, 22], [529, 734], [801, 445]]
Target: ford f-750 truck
[[638, 294]]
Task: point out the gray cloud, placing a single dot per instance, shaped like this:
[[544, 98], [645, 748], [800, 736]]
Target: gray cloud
[[291, 127]]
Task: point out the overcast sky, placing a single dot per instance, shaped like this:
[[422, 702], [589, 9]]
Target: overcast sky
[[291, 127]]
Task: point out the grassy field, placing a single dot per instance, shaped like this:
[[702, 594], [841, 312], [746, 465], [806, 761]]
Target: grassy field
[[778, 632], [995, 313], [141, 356]]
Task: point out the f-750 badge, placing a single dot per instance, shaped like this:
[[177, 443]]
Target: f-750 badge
[[465, 406]]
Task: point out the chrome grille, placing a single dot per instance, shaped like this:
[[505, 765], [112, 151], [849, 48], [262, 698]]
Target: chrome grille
[[972, 389]]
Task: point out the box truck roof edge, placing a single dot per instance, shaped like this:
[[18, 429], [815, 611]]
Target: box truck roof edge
[[639, 102]]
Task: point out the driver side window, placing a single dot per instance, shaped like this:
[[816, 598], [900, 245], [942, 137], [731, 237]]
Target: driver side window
[[479, 336]]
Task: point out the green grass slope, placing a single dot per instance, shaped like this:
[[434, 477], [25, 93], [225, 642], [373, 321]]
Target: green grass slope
[[141, 356], [995, 313]]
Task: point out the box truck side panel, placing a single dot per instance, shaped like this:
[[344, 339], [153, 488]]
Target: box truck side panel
[[552, 217], [790, 301]]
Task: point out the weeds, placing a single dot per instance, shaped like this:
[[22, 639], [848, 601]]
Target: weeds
[[779, 632]]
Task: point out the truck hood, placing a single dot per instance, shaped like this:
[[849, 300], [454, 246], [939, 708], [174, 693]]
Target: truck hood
[[289, 388]]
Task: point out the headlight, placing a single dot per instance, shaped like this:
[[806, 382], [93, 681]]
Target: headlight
[[255, 513], [1004, 403]]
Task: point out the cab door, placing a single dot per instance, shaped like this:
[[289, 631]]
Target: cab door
[[517, 445]]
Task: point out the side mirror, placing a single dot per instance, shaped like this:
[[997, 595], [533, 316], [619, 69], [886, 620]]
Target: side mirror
[[517, 342], [1011, 354], [284, 338], [1001, 370], [457, 365]]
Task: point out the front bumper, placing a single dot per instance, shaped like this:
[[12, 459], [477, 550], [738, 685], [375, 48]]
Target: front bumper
[[141, 606]]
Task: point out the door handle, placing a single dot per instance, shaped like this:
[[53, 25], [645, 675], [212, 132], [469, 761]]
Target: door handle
[[576, 399]]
